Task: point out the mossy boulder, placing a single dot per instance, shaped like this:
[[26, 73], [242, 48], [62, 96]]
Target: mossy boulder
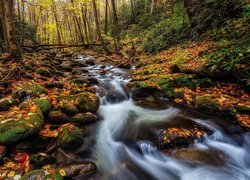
[[43, 174], [84, 118], [85, 102], [43, 71], [29, 89], [70, 137], [43, 104], [20, 126], [67, 108], [7, 103], [207, 105], [58, 117]]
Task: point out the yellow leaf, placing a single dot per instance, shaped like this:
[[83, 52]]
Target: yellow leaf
[[11, 174]]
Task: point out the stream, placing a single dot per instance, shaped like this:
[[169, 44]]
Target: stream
[[124, 148]]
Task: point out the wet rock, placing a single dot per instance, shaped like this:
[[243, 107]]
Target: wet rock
[[32, 144], [70, 137], [207, 105], [200, 157], [116, 96], [81, 169], [85, 102], [43, 174], [55, 84], [90, 62], [7, 103], [84, 118], [28, 90], [21, 126], [3, 151], [43, 104], [43, 71], [143, 92], [40, 159], [67, 108], [58, 117]]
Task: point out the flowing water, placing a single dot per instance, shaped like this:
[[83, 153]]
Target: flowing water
[[123, 149]]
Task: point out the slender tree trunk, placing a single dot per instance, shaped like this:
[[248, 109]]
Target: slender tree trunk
[[57, 22], [10, 36], [84, 24], [98, 29], [106, 18], [116, 30]]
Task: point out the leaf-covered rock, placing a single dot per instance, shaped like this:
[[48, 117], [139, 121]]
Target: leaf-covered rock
[[85, 102]]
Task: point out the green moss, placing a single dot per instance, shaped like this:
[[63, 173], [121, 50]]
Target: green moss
[[43, 174], [12, 130], [70, 137], [43, 104]]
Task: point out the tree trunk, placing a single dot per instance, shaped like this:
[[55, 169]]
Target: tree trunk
[[10, 36], [116, 31], [106, 18], [98, 29]]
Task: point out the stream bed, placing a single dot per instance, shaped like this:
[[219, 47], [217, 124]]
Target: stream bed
[[125, 149]]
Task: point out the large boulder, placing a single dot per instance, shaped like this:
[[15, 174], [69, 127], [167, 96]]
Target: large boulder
[[85, 102], [18, 125], [43, 104], [70, 137], [7, 103], [28, 90]]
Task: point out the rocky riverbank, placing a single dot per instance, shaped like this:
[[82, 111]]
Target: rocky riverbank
[[47, 106]]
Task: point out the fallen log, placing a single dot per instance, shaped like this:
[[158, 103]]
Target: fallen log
[[60, 45]]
